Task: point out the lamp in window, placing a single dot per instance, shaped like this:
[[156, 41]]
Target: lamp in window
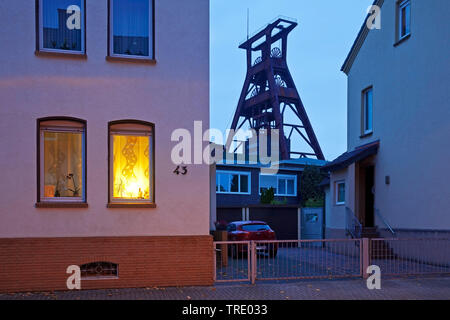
[[131, 170], [131, 167]]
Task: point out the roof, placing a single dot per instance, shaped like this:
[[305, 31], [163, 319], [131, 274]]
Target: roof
[[347, 158], [305, 161], [325, 182], [360, 38], [292, 165]]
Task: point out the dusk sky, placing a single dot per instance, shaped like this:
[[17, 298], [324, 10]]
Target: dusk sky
[[317, 49]]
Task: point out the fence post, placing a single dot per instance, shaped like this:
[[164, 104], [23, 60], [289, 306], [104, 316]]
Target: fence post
[[253, 261], [365, 256], [215, 262]]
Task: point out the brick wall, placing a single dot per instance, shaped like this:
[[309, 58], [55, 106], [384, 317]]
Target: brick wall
[[39, 264]]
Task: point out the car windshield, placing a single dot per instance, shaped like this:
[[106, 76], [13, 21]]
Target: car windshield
[[255, 227]]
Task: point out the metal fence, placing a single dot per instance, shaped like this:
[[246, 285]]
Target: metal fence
[[306, 259], [232, 261], [285, 259], [411, 256], [330, 259]]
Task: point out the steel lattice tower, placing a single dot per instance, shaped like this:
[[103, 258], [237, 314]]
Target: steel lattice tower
[[269, 91]]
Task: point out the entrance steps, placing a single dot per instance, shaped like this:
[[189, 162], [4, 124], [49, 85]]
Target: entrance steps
[[380, 249]]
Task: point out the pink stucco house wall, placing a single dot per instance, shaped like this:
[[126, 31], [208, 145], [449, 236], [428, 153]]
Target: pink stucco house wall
[[162, 241]]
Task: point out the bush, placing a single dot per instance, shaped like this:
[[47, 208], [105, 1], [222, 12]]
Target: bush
[[311, 193], [267, 196]]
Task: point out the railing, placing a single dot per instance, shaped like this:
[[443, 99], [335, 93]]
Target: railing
[[352, 224], [285, 259], [231, 261], [388, 226], [249, 261], [307, 259], [424, 256]]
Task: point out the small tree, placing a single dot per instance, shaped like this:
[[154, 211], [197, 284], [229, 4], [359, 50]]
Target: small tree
[[311, 193], [267, 196]]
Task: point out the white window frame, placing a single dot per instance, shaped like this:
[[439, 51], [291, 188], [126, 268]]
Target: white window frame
[[337, 184], [141, 133], [282, 176], [62, 129], [41, 32], [400, 5], [151, 34], [239, 174], [367, 130]]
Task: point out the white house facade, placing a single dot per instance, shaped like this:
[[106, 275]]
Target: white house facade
[[394, 177]]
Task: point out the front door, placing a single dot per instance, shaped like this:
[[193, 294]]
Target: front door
[[369, 196]]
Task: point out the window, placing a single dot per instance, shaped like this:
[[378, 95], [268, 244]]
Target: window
[[131, 29], [131, 162], [283, 185], [404, 19], [62, 161], [255, 227], [233, 182], [97, 270], [367, 127], [340, 192], [61, 26]]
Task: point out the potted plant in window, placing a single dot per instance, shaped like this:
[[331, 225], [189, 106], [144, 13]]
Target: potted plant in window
[[75, 191]]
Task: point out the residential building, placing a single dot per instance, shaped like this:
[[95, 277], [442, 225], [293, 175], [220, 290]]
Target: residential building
[[86, 119], [238, 191], [393, 179]]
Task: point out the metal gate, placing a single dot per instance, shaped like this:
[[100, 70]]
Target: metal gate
[[286, 259], [312, 223], [308, 259]]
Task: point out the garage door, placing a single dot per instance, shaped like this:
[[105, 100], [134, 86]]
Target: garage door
[[284, 221], [229, 214]]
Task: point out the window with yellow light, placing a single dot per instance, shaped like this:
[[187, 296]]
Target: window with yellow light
[[131, 163]]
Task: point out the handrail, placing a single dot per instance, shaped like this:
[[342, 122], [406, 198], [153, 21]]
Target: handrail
[[377, 212], [352, 224]]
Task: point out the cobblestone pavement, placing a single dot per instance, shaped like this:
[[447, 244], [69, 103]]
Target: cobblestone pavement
[[355, 289]]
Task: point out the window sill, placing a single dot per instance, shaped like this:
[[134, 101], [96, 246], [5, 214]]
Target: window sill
[[132, 60], [283, 195], [365, 135], [61, 205], [130, 205], [69, 55], [340, 204], [234, 193], [402, 40]]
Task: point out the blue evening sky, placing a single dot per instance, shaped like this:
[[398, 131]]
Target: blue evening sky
[[317, 49]]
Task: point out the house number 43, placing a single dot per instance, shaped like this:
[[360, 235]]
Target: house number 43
[[180, 170]]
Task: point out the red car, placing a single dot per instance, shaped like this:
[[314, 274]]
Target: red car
[[248, 231]]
